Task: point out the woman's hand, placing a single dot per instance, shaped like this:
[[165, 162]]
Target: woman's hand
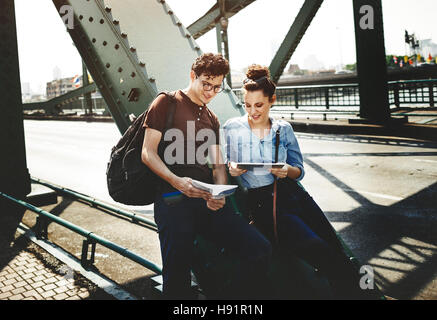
[[185, 187], [215, 204], [234, 171], [280, 172]]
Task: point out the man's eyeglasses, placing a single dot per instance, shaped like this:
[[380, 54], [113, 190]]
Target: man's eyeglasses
[[208, 87]]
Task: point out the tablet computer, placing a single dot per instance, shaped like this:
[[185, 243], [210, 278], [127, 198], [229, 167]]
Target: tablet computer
[[259, 165]]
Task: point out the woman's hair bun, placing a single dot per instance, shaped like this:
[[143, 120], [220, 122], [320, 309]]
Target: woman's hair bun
[[256, 71]]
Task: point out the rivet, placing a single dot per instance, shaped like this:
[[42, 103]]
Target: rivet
[[94, 40], [108, 9], [120, 69], [124, 35], [152, 79], [91, 19], [108, 65], [80, 17], [170, 12], [105, 43], [123, 93], [116, 22], [178, 23], [188, 35], [116, 46], [132, 74], [102, 21], [142, 64], [132, 49]]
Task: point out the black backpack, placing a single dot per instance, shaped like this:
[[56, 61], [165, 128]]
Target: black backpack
[[129, 180]]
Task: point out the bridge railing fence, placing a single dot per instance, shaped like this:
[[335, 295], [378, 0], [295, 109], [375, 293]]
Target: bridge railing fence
[[345, 98]]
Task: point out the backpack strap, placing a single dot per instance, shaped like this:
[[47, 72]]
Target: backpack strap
[[171, 100]]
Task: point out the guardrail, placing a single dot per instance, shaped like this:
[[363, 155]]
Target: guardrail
[[345, 98], [97, 203], [90, 238], [413, 92]]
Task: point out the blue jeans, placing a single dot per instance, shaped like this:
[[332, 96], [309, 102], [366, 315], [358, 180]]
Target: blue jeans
[[304, 231], [179, 223]]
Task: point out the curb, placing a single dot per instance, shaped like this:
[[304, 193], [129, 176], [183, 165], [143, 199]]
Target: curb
[[408, 130], [72, 262]]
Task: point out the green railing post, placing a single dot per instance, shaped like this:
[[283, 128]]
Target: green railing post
[[396, 94], [327, 98], [296, 98], [84, 261], [41, 227]]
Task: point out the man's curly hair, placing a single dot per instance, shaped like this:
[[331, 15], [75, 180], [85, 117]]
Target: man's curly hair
[[211, 64]]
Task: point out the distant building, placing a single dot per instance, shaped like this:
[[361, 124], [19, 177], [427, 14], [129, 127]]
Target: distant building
[[26, 93], [57, 73], [428, 47], [312, 63], [294, 68], [36, 98], [59, 87]]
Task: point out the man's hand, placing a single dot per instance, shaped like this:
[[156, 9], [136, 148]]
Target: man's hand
[[215, 204], [185, 187]]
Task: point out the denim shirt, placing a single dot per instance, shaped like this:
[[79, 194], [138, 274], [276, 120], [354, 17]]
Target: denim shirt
[[242, 145]]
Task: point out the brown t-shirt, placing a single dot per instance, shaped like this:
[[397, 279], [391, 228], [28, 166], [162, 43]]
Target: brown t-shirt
[[185, 149]]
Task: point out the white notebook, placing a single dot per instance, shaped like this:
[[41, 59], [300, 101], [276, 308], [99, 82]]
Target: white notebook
[[217, 190]]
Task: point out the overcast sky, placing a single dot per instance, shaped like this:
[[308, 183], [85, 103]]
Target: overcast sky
[[255, 33]]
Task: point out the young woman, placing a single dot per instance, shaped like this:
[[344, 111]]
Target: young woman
[[300, 226]]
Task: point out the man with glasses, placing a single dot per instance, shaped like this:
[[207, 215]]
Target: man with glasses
[[183, 211]]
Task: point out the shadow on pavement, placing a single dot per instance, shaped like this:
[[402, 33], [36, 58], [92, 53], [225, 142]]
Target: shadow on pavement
[[398, 241]]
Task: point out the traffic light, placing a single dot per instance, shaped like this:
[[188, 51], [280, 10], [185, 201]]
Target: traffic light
[[407, 37]]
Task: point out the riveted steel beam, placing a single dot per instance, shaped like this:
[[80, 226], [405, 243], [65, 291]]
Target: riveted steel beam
[[134, 49], [371, 61], [209, 19], [14, 176], [293, 37], [87, 96], [54, 106], [111, 59]]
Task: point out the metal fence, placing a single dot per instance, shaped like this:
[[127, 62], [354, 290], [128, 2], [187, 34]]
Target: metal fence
[[346, 97], [91, 239], [414, 92]]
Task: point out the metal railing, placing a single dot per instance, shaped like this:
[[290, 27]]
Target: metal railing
[[90, 238], [97, 203], [413, 92], [345, 98]]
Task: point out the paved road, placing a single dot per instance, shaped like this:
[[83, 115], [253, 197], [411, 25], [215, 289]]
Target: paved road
[[378, 192]]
